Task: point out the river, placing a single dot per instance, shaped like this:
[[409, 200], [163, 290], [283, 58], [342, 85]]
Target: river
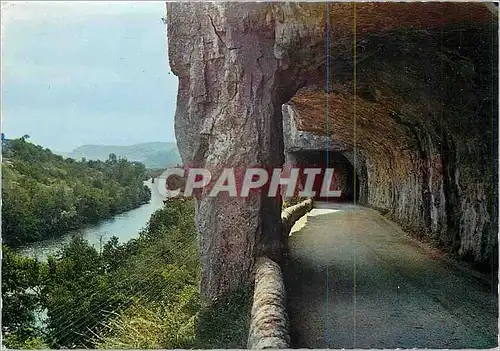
[[124, 226]]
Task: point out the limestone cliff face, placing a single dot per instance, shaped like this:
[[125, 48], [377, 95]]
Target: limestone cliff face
[[424, 107], [227, 116], [421, 121]]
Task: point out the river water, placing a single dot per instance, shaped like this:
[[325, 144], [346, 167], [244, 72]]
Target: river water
[[124, 226]]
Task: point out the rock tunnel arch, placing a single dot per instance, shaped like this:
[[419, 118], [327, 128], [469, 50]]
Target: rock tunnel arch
[[344, 177], [418, 154], [305, 149]]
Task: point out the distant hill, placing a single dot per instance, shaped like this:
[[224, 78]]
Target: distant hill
[[152, 155]]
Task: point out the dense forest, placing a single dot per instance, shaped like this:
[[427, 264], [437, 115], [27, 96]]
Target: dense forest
[[44, 194], [140, 294]]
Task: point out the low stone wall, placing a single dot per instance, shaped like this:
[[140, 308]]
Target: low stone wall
[[269, 327], [291, 214]]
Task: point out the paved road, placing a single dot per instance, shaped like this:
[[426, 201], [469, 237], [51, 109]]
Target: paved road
[[355, 280]]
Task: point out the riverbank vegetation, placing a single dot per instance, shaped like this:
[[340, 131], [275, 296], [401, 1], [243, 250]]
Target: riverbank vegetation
[[140, 294], [45, 194]]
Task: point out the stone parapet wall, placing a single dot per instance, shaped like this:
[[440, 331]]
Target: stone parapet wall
[[269, 327], [291, 214]]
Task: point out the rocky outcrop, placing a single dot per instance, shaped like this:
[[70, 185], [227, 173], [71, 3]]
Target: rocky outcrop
[[424, 130], [228, 114], [296, 140]]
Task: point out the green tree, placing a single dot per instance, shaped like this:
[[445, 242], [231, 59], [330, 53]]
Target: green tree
[[112, 159], [21, 298], [78, 295]]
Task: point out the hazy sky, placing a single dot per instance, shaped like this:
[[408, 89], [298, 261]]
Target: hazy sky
[[86, 73]]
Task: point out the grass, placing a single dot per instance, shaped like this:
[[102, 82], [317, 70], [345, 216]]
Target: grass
[[173, 316], [226, 323]]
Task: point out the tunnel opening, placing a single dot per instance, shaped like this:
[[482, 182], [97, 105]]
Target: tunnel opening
[[339, 184]]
